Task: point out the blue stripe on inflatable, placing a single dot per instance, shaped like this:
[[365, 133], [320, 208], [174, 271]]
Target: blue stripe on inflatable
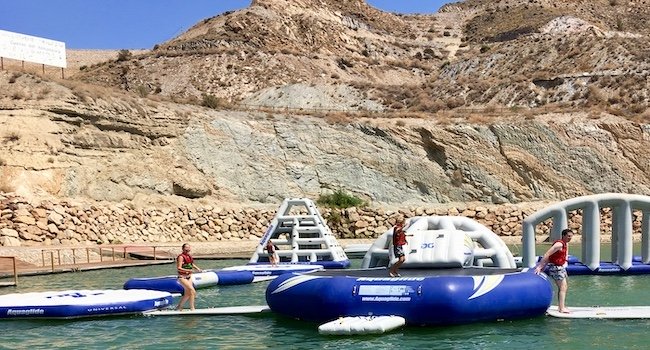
[[166, 284], [435, 300], [227, 278], [608, 268]]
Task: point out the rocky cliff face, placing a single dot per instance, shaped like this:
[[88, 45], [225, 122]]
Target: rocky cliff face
[[491, 101], [68, 142]]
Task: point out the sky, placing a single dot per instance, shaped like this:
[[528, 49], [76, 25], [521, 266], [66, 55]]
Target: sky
[[136, 24]]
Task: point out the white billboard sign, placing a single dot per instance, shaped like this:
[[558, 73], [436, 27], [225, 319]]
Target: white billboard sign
[[32, 49]]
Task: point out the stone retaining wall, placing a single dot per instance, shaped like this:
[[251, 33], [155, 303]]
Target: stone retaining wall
[[67, 223]]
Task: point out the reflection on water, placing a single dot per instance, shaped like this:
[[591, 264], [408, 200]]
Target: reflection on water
[[264, 331]]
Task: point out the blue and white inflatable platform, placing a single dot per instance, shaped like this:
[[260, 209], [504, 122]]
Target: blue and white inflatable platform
[[81, 303], [199, 280], [577, 267], [440, 283]]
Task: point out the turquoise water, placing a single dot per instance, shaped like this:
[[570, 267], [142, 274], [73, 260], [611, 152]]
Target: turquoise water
[[274, 331]]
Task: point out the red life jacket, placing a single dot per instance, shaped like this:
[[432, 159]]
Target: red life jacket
[[399, 237], [187, 263], [559, 258]]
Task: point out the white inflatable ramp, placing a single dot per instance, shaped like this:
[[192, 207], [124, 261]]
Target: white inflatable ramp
[[603, 312], [229, 310], [361, 325]]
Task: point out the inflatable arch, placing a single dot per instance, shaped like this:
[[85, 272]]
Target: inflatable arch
[[622, 244], [301, 238], [442, 241]]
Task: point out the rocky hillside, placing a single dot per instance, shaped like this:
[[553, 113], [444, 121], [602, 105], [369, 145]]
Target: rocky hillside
[[458, 106], [499, 54]]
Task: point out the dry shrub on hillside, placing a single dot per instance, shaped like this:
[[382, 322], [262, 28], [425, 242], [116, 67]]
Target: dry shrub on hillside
[[85, 92], [643, 117], [455, 102], [595, 96], [12, 136], [19, 95], [337, 118], [43, 93]]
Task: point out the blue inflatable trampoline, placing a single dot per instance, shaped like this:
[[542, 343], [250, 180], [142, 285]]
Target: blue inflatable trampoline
[[421, 296], [442, 280]]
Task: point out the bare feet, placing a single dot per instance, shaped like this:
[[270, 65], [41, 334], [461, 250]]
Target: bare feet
[[564, 311]]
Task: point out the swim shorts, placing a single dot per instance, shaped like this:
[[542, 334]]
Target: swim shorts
[[398, 250], [557, 273]]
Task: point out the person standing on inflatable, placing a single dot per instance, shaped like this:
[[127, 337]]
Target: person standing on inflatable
[[273, 256], [185, 266], [556, 257], [399, 240]]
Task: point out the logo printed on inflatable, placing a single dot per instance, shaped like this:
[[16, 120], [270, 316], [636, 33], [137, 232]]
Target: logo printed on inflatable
[[267, 234], [428, 245], [485, 284], [73, 295], [294, 281], [25, 312], [107, 308]]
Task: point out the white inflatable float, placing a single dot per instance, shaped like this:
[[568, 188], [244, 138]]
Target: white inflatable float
[[228, 310], [602, 312], [81, 303], [361, 325]]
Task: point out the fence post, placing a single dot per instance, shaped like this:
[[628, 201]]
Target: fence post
[[87, 255], [74, 257], [113, 251], [101, 257], [154, 253], [15, 272], [43, 256], [52, 260]]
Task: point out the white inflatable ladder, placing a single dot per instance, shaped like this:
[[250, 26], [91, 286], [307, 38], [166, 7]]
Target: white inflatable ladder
[[301, 235]]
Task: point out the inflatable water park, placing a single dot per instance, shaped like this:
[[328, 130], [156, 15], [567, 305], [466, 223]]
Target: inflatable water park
[[456, 271]]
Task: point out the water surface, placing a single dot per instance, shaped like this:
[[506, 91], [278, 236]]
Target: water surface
[[274, 331]]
